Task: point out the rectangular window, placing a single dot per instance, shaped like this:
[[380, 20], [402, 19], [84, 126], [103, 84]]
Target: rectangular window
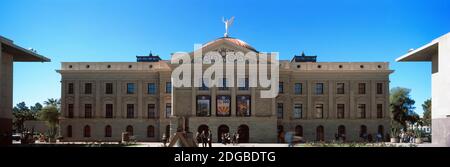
[[130, 88], [340, 88], [203, 82], [298, 111], [109, 88], [70, 110], [70, 89], [203, 106], [362, 88], [319, 111], [224, 84], [223, 106], [151, 88], [362, 110], [109, 111], [280, 87], [243, 106], [340, 111], [130, 110], [298, 88], [151, 110], [168, 110], [379, 88], [280, 110], [379, 110], [87, 110], [319, 88], [243, 84], [87, 88], [168, 87]]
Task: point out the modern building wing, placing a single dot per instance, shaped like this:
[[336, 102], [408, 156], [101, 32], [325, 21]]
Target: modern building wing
[[10, 53], [438, 53]]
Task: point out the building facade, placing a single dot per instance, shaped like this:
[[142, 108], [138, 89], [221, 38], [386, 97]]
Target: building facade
[[316, 100]]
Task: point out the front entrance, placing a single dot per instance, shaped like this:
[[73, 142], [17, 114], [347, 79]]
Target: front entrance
[[222, 130], [244, 136]]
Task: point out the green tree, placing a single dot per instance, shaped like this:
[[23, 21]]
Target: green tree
[[50, 114], [402, 107], [427, 112], [36, 108], [21, 113]]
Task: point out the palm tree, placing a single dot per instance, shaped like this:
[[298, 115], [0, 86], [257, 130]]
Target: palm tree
[[50, 114], [53, 102]]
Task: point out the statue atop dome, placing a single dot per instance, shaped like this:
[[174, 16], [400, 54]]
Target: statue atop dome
[[228, 23]]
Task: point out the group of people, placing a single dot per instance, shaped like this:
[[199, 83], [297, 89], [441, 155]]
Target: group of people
[[408, 137], [369, 138], [205, 138], [226, 138], [339, 137]]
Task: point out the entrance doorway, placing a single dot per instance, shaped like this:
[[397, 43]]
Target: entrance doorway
[[243, 131], [222, 130]]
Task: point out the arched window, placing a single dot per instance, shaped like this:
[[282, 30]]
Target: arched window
[[381, 130], [222, 130], [130, 130], [150, 131], [320, 133], [69, 131], [244, 133], [298, 130], [341, 131], [167, 131], [87, 131], [363, 132], [108, 131]]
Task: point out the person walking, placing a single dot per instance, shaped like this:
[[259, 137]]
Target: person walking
[[203, 138], [210, 138]]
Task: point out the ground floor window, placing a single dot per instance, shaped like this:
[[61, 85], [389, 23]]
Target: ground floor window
[[298, 130], [108, 131], [150, 131], [87, 131], [129, 130], [69, 131], [320, 133]]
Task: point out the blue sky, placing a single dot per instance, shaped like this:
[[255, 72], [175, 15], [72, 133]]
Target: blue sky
[[116, 30]]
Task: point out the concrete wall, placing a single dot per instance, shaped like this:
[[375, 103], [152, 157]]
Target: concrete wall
[[441, 81], [6, 94], [440, 94]]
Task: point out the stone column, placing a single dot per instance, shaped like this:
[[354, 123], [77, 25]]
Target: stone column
[[118, 108], [331, 105], [76, 105], [352, 111], [98, 104], [309, 106], [140, 105], [373, 104], [213, 102], [194, 100]]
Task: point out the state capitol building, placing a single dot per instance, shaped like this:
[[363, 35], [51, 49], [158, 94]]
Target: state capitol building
[[316, 100]]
